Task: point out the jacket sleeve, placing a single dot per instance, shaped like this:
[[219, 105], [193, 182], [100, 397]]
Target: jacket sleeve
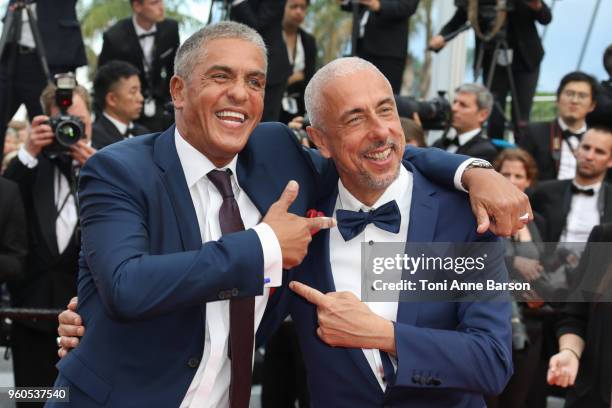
[[269, 12], [397, 10], [437, 165], [135, 283], [13, 237], [476, 356], [458, 19]]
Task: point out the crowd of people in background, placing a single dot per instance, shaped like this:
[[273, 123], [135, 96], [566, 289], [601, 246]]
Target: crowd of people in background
[[563, 165]]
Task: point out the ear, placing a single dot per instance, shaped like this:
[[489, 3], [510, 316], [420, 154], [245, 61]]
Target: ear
[[483, 114], [593, 106], [319, 140], [177, 90], [109, 99]]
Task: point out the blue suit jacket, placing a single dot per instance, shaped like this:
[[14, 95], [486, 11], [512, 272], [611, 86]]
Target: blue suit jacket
[[449, 354], [145, 276]]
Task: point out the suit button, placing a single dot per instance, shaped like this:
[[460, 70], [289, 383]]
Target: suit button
[[193, 362], [416, 379], [222, 295], [235, 292]]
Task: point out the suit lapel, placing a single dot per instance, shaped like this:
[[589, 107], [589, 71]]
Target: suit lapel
[[606, 214], [166, 157], [45, 204], [423, 218], [132, 37], [256, 181], [113, 132]]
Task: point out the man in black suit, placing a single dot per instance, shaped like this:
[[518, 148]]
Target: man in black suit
[[602, 115], [47, 184], [148, 41], [573, 207], [302, 53], [383, 35], [526, 53], [266, 17], [584, 360], [13, 238], [21, 75], [118, 102], [471, 107], [553, 144]]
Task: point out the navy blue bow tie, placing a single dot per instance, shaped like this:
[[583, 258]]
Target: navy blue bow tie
[[352, 223]]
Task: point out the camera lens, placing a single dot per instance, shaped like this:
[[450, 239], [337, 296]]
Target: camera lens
[[68, 133]]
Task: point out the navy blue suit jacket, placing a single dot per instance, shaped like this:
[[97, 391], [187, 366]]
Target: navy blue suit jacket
[[145, 276], [449, 354]]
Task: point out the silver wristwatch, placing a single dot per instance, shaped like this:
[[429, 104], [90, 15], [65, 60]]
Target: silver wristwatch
[[477, 164]]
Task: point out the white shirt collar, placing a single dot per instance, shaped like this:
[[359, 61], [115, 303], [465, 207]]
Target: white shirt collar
[[140, 30], [564, 126], [121, 127], [596, 187], [196, 165], [467, 136], [396, 191]]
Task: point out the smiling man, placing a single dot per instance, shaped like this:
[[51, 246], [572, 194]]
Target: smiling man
[[172, 287]]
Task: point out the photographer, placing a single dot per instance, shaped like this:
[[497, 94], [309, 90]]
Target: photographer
[[47, 180], [22, 78], [525, 55]]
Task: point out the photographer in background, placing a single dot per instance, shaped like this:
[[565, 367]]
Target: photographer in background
[[526, 54], [118, 103], [21, 75], [47, 182], [471, 107]]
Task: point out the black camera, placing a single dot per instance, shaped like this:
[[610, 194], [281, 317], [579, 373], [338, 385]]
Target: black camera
[[68, 129], [435, 114]]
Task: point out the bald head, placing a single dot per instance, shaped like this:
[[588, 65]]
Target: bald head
[[314, 97]]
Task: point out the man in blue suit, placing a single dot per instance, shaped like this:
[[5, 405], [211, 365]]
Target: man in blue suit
[[404, 354], [152, 295]]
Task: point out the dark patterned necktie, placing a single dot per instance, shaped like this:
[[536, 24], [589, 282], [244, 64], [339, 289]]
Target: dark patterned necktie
[[242, 310]]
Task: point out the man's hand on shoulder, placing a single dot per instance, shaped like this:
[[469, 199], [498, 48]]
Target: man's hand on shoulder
[[294, 233], [497, 204]]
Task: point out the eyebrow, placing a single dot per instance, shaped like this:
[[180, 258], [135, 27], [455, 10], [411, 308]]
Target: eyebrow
[[229, 70], [384, 101]]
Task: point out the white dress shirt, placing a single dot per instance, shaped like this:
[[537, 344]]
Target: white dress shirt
[[567, 163], [583, 216], [346, 264], [67, 219], [210, 385], [463, 138], [146, 43], [27, 37]]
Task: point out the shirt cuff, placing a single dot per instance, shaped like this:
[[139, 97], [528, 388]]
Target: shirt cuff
[[273, 257], [459, 174], [26, 158]]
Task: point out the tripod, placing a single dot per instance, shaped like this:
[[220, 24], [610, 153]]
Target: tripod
[[10, 50], [499, 45]]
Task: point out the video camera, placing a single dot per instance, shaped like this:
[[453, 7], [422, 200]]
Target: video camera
[[68, 129], [435, 114]]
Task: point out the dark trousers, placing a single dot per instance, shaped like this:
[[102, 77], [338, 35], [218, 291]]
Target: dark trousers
[[27, 82], [525, 83], [525, 364], [34, 359], [284, 374], [391, 68]]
